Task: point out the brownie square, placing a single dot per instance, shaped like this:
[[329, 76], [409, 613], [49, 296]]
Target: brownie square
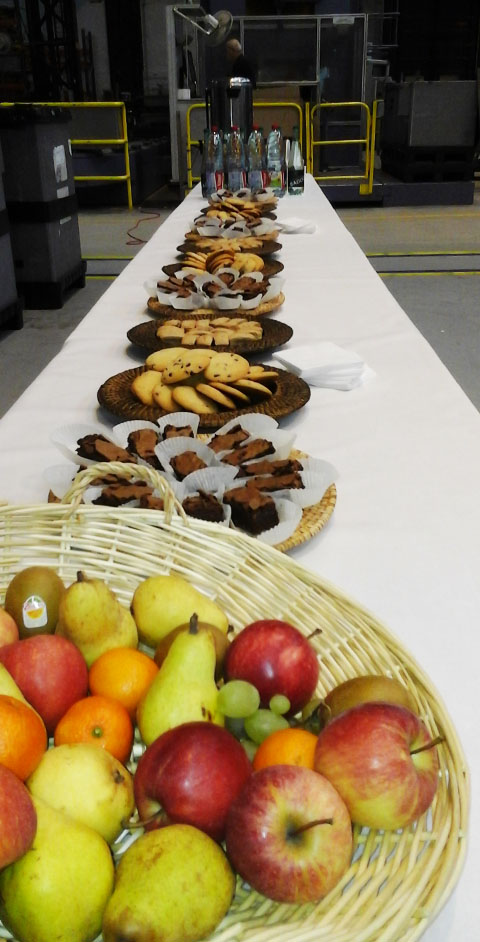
[[185, 463], [257, 448], [204, 507], [251, 510], [142, 443]]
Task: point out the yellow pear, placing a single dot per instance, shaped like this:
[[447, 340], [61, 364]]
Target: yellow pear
[[161, 603], [59, 889], [173, 884], [88, 784], [8, 685], [91, 616], [184, 689]]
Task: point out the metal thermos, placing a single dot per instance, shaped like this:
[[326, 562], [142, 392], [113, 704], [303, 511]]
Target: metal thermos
[[230, 104]]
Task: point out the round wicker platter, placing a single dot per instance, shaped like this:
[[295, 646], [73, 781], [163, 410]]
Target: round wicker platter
[[268, 247], [398, 881], [275, 333], [265, 307], [271, 267], [290, 393]]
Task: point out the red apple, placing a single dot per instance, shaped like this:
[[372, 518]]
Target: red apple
[[51, 673], [289, 834], [276, 658], [8, 628], [369, 754], [18, 819], [190, 775]]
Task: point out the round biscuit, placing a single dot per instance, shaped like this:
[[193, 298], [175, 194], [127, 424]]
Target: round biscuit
[[161, 359], [143, 385], [188, 398], [162, 396], [217, 395], [231, 391], [254, 386], [188, 364], [226, 367]]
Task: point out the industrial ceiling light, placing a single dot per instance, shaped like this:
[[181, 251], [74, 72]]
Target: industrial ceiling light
[[214, 27]]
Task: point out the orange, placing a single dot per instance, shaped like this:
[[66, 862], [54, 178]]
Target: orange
[[23, 737], [98, 720], [286, 747], [124, 674]]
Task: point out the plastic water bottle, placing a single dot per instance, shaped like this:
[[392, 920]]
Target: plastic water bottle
[[275, 161], [212, 162], [296, 167], [236, 162], [256, 164]]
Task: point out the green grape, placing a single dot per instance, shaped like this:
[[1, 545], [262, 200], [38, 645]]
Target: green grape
[[279, 704], [238, 699], [262, 723], [235, 726], [250, 748]]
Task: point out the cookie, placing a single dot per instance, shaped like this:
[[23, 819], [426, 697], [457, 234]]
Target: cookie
[[226, 367], [216, 394], [231, 391], [161, 359], [188, 398], [162, 396], [259, 372], [189, 363], [252, 385], [143, 385]]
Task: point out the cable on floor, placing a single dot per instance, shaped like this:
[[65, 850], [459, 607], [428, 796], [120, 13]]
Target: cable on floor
[[136, 240]]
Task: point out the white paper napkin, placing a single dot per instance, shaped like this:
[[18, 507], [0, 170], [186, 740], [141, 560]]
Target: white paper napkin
[[294, 224], [325, 364]]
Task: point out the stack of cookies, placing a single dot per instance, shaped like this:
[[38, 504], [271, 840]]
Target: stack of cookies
[[201, 381]]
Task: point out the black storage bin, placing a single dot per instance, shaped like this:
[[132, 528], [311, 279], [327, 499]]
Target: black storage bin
[[11, 316], [41, 203]]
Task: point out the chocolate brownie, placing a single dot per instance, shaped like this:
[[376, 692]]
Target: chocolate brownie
[[173, 431], [204, 506], [99, 448], [150, 502], [228, 440], [257, 448], [115, 495], [185, 463], [281, 466], [277, 482], [251, 510], [142, 443]]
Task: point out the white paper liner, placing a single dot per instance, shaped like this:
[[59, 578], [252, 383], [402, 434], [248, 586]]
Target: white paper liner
[[59, 478], [66, 437], [316, 485], [214, 479], [282, 441], [179, 419], [223, 302], [255, 423], [171, 447], [151, 287], [195, 300], [274, 288]]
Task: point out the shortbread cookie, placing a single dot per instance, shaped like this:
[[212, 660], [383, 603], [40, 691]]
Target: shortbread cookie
[[163, 397], [143, 385], [188, 398], [252, 385], [231, 391], [226, 367], [216, 394], [259, 372]]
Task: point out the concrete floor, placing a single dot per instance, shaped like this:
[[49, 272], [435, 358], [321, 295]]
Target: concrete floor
[[418, 250]]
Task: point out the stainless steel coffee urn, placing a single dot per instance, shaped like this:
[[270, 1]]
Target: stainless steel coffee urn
[[230, 103]]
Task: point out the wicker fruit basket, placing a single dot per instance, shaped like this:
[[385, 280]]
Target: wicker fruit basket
[[397, 881]]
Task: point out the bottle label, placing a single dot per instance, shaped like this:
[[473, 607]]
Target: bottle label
[[296, 180], [34, 612], [219, 180], [277, 179], [237, 179], [257, 179]]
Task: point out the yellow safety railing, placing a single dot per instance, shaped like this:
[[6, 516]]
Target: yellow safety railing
[[368, 141], [193, 142], [99, 142]]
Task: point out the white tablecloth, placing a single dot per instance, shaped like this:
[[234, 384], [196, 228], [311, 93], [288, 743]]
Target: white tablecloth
[[404, 539]]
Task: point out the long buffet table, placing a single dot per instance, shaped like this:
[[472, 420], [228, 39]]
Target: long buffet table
[[404, 539]]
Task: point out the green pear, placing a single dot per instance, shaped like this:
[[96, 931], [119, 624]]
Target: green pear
[[91, 616], [9, 687], [161, 603], [88, 784], [184, 689], [173, 884], [32, 599], [60, 887]]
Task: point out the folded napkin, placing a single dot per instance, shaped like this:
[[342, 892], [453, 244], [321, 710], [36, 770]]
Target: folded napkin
[[295, 224], [325, 364]]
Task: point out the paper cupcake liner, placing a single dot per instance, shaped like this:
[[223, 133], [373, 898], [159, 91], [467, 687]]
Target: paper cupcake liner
[[66, 437], [213, 480], [274, 288], [58, 478], [289, 515], [179, 419], [281, 440], [121, 431], [254, 423]]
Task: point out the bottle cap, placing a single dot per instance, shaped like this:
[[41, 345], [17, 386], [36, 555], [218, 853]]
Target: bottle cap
[[214, 127], [234, 127]]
